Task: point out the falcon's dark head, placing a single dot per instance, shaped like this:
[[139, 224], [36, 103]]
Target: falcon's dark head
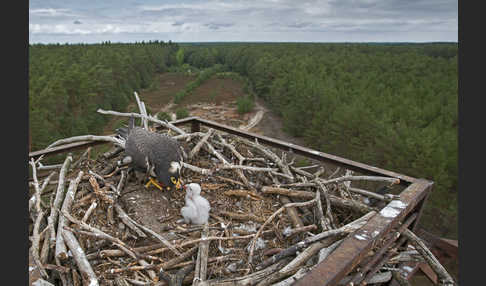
[[171, 177]]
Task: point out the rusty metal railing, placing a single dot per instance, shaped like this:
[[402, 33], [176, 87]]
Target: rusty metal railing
[[381, 230]]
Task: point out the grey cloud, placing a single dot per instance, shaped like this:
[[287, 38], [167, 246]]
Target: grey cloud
[[319, 20], [216, 26]]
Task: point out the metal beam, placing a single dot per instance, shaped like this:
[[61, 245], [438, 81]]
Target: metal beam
[[353, 249]]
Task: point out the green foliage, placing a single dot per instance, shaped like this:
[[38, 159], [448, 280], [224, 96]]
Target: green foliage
[[182, 113], [180, 57], [245, 104], [163, 116], [68, 83], [201, 78], [391, 106]]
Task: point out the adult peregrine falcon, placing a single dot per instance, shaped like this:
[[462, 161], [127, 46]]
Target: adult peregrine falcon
[[156, 154]]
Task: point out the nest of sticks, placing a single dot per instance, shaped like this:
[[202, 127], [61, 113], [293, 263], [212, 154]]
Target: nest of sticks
[[271, 221]]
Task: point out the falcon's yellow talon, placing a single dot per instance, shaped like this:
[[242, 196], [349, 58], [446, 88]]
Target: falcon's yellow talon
[[153, 182]]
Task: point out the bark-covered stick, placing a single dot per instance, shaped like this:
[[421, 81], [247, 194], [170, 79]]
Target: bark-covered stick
[[88, 137], [199, 144], [158, 236], [141, 107], [243, 217], [303, 257], [36, 187], [54, 215], [150, 273], [301, 229], [90, 210], [334, 200], [350, 227], [128, 221], [84, 267], [149, 118], [269, 154], [81, 158], [325, 193], [269, 219], [166, 265], [202, 257], [35, 244], [196, 169], [61, 251], [98, 233], [320, 214], [392, 181], [250, 279], [231, 147], [292, 213]]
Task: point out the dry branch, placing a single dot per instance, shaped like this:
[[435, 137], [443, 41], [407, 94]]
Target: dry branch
[[149, 118], [200, 271], [344, 203], [196, 169], [250, 279], [198, 146], [391, 181], [269, 219], [269, 154], [83, 264], [128, 221], [35, 244], [297, 230], [243, 217], [81, 138], [244, 194], [60, 250], [156, 235], [100, 234], [52, 219], [444, 277], [89, 211], [292, 213], [325, 193], [143, 112]]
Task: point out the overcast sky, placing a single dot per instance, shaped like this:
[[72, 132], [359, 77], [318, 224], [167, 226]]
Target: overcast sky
[[89, 21]]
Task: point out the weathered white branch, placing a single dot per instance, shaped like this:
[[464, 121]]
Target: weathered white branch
[[141, 107], [202, 258], [444, 277], [128, 221], [392, 181], [81, 261], [199, 144], [269, 219], [149, 118], [90, 210], [196, 169], [61, 251], [52, 219], [112, 139]]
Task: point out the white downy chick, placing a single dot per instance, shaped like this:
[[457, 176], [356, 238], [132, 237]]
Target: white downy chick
[[196, 210]]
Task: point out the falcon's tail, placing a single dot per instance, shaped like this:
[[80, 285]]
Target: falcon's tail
[[123, 132]]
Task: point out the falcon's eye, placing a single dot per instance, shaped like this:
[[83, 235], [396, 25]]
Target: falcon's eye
[[173, 180]]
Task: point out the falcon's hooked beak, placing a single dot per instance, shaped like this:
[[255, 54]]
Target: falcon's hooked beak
[[177, 183]]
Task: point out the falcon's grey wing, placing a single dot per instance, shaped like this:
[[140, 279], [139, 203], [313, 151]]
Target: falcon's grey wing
[[138, 147]]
